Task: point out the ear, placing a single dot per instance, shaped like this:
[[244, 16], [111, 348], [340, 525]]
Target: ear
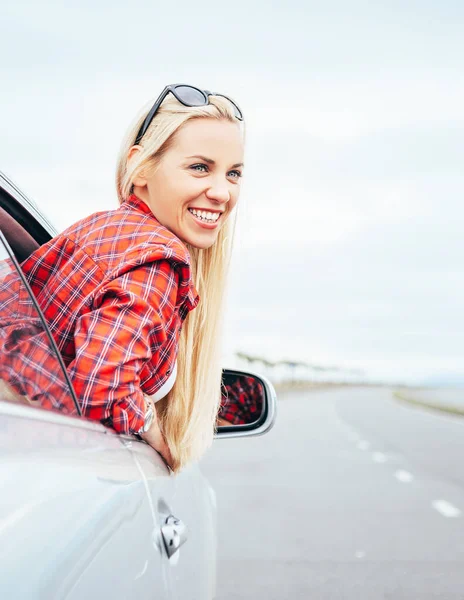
[[140, 180]]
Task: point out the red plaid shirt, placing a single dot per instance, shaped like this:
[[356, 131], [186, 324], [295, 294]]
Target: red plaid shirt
[[114, 289], [28, 362]]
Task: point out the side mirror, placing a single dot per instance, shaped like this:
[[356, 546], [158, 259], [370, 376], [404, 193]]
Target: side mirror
[[248, 404]]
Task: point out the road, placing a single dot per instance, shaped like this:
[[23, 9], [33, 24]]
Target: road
[[352, 495]]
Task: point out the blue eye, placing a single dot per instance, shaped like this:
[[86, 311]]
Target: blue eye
[[199, 166], [202, 168]]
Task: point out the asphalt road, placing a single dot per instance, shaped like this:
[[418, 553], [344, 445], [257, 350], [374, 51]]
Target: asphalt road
[[352, 495]]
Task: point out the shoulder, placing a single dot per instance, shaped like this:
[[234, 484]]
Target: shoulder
[[130, 242], [129, 235], [136, 244]]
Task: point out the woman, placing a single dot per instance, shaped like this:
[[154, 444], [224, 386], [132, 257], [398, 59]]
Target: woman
[[134, 296]]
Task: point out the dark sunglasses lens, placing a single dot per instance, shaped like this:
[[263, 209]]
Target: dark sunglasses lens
[[190, 95]]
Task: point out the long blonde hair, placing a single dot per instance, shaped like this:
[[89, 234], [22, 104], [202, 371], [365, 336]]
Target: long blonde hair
[[187, 415]]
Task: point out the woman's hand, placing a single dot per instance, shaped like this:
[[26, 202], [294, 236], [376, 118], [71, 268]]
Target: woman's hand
[[155, 438]]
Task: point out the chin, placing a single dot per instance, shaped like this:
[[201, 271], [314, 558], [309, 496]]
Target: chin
[[201, 244]]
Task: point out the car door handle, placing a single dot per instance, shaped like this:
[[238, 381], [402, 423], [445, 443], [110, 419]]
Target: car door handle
[[174, 534]]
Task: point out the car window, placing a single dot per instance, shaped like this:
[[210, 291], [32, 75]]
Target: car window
[[31, 368]]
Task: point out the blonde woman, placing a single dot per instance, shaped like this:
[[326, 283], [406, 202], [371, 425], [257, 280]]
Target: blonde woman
[[134, 296]]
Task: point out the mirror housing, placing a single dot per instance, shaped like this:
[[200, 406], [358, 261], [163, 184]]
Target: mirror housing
[[248, 404]]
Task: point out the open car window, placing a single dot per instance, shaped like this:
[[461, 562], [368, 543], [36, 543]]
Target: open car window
[[31, 368]]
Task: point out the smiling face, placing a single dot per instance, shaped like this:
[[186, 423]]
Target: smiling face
[[197, 181]]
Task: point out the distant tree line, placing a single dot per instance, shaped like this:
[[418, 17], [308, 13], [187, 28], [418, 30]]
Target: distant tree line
[[292, 365]]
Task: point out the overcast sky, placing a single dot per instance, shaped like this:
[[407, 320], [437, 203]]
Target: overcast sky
[[350, 236]]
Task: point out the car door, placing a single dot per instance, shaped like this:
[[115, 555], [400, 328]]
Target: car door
[[125, 464], [189, 501], [77, 519]]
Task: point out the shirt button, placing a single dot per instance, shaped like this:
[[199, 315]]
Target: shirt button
[[168, 372]]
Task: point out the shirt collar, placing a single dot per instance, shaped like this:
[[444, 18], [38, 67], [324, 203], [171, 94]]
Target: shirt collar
[[135, 202]]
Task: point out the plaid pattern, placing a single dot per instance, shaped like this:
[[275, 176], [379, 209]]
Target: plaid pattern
[[114, 289], [242, 400], [28, 362]]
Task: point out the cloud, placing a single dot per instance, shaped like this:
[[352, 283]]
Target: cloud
[[349, 240]]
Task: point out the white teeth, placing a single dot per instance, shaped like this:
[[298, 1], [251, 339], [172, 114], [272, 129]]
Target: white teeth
[[205, 215]]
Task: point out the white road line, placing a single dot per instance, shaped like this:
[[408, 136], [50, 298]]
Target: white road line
[[363, 445], [379, 457], [404, 476], [446, 509]]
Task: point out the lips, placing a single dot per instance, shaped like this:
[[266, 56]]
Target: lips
[[205, 223]]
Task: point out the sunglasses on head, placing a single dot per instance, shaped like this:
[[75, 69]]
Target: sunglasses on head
[[188, 95]]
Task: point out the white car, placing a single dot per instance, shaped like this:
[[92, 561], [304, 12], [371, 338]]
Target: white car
[[84, 512]]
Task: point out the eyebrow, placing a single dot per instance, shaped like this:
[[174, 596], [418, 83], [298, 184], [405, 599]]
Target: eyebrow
[[210, 161]]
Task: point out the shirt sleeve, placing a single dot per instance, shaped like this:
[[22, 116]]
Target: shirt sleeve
[[127, 325], [28, 361]]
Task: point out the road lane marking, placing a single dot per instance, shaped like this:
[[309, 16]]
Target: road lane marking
[[446, 509], [379, 457], [363, 445], [404, 476]]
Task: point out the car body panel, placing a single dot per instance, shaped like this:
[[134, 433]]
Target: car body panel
[[188, 496], [76, 498], [85, 506]]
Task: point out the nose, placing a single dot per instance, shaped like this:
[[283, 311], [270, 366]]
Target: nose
[[219, 192]]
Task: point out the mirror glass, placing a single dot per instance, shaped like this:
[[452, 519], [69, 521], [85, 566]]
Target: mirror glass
[[242, 401]]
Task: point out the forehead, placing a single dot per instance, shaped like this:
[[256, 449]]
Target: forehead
[[212, 138]]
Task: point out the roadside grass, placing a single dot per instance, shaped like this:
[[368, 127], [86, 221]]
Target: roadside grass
[[403, 396]]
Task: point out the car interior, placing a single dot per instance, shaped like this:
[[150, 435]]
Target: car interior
[[22, 232], [21, 242]]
